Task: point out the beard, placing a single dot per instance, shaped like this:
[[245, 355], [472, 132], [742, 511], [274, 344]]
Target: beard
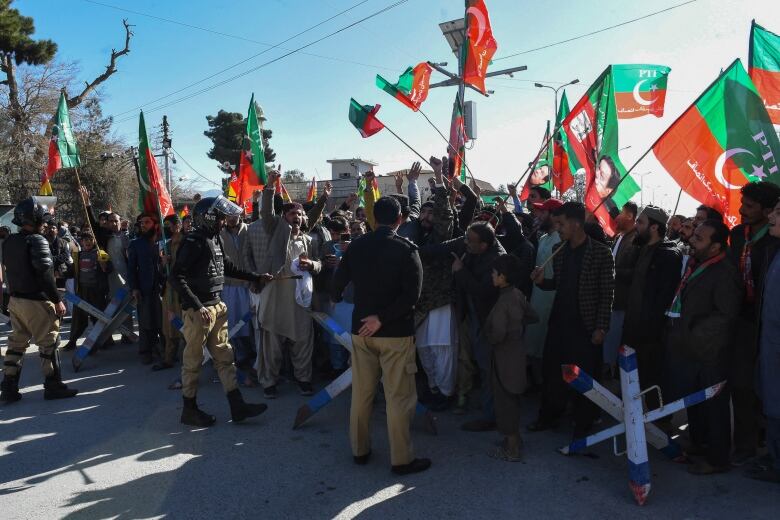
[[149, 233], [642, 239]]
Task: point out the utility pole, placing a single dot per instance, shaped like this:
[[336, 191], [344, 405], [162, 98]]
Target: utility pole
[[455, 33], [166, 143]]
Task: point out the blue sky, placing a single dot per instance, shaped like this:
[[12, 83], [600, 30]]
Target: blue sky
[[306, 98]]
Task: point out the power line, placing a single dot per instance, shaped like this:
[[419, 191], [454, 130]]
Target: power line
[[595, 32], [270, 46], [253, 69], [193, 168]]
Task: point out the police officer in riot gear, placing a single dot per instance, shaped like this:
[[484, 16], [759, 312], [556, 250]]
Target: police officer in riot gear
[[198, 276], [35, 305]]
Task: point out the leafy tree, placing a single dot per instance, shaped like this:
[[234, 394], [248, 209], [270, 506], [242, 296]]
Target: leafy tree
[[227, 130], [293, 176]]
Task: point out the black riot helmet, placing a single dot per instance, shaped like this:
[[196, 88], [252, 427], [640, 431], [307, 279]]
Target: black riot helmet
[[209, 209], [30, 211]]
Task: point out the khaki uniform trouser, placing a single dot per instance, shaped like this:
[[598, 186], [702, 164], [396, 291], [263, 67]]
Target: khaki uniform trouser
[[170, 304], [273, 357], [392, 359], [36, 321], [215, 335]]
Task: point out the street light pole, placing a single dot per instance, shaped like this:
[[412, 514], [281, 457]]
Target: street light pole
[[642, 188], [555, 90]]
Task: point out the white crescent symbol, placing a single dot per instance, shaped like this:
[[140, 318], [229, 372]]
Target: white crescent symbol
[[721, 162], [639, 99], [480, 18]]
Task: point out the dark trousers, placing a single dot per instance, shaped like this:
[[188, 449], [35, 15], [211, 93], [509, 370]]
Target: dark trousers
[[150, 325], [650, 362], [507, 405], [709, 423], [95, 296], [568, 344], [747, 408]]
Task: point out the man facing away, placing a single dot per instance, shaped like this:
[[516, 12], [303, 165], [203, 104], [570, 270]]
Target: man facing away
[[386, 272]]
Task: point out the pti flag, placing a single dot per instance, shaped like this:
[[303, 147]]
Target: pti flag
[[722, 142], [640, 90], [412, 86], [153, 197], [363, 117], [764, 68], [63, 152], [457, 144], [251, 165], [564, 166], [592, 133], [480, 46]]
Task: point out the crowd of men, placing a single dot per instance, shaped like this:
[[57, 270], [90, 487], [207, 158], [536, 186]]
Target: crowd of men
[[489, 300]]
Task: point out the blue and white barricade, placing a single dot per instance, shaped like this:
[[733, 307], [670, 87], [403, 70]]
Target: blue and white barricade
[[111, 319], [344, 381], [634, 423]]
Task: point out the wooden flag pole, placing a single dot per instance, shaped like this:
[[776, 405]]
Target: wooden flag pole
[[549, 258], [84, 203], [677, 203]]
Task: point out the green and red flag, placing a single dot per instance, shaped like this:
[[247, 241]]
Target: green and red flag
[[153, 197], [722, 142], [564, 166], [311, 194], [457, 145], [412, 86], [540, 172], [592, 133], [63, 151], [640, 90], [363, 117], [480, 46], [252, 174], [764, 68]]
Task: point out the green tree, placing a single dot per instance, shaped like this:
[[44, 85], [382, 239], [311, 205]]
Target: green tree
[[294, 176], [226, 131]]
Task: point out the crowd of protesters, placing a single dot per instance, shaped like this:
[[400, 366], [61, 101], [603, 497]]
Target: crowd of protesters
[[508, 292]]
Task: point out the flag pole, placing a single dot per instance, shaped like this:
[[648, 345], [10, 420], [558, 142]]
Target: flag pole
[[676, 204], [449, 145], [84, 202], [407, 145]]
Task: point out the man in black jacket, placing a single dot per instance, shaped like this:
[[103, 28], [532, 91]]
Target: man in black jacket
[[35, 304], [386, 273], [198, 276], [749, 243], [654, 278], [472, 268]]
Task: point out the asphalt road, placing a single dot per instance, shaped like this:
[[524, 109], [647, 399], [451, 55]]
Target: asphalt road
[[117, 450]]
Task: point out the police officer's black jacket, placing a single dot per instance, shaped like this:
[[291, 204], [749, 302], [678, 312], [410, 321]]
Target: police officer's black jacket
[[386, 273], [29, 267], [199, 272]]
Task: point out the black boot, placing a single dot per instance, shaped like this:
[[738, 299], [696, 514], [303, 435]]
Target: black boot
[[193, 416], [9, 389], [53, 387], [239, 410]]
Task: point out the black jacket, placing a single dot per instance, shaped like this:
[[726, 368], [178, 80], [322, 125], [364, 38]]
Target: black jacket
[[758, 258], [29, 267], [653, 284], [386, 273], [474, 282], [200, 269], [516, 244]]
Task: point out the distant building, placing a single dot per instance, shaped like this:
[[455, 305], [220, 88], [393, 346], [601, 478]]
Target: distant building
[[349, 168]]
